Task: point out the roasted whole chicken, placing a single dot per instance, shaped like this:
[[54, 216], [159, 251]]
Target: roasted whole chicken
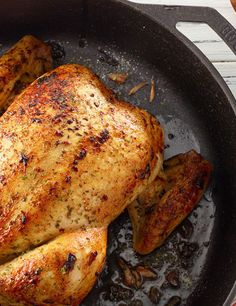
[[72, 158]]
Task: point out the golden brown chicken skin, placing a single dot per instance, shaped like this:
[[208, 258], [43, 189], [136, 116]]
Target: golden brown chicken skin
[[22, 64], [72, 158], [60, 272], [168, 200]]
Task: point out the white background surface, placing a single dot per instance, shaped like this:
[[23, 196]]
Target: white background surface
[[206, 39]]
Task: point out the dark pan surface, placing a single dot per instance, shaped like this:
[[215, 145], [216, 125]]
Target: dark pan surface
[[195, 114]]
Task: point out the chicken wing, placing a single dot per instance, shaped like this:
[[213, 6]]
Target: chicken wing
[[168, 200]]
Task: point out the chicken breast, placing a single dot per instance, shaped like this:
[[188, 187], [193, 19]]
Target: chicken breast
[[72, 157], [22, 64]]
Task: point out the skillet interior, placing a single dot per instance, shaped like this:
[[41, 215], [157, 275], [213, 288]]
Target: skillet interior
[[190, 105]]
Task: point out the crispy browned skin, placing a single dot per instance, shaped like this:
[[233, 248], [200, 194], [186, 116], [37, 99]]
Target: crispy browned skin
[[61, 272], [168, 200], [72, 158], [22, 64]]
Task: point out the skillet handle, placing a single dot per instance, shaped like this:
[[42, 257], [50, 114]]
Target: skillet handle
[[210, 16], [171, 15]]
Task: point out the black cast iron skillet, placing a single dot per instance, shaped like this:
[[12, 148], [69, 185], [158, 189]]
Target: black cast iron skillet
[[193, 104]]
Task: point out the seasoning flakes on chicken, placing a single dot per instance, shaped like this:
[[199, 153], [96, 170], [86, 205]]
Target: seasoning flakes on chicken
[[168, 200], [72, 158], [21, 65]]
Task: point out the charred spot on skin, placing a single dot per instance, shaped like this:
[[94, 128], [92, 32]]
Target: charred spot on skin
[[69, 264], [79, 156], [32, 104], [92, 139], [23, 218], [3, 180], [38, 271], [97, 141], [104, 197], [69, 121], [82, 154], [48, 301], [36, 120], [68, 179], [74, 168], [146, 173], [52, 190], [104, 136], [92, 257], [21, 111], [58, 118], [59, 133], [38, 112], [32, 277], [24, 159], [45, 79], [63, 106], [62, 142], [57, 96]]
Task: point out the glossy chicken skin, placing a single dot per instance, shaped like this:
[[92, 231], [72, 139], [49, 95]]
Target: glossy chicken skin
[[60, 272], [168, 200], [22, 64], [72, 158]]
